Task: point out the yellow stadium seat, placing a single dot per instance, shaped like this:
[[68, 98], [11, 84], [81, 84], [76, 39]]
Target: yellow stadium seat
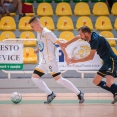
[[103, 23], [84, 21], [23, 23], [63, 8], [30, 14], [28, 35], [7, 23], [114, 50], [115, 24], [44, 9], [67, 35], [65, 23], [114, 9], [47, 22], [100, 8], [108, 34], [7, 35], [29, 56], [82, 8]]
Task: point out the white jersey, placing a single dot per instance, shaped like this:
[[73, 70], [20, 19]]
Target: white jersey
[[46, 40]]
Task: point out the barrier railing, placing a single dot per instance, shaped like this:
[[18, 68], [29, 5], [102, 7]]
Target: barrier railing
[[27, 72]]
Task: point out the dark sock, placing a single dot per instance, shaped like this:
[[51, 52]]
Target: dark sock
[[102, 84], [79, 94], [50, 94], [114, 87]]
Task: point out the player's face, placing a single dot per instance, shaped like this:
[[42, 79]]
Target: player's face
[[84, 36], [35, 26]]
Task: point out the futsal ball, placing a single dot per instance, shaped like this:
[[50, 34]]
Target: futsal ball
[[16, 97]]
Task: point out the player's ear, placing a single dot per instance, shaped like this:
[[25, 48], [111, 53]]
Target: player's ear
[[86, 33]]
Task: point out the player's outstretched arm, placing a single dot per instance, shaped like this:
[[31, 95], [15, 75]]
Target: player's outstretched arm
[[66, 55], [65, 44], [89, 57], [73, 39], [63, 50]]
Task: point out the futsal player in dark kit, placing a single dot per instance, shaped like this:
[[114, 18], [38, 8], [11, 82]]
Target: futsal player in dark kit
[[100, 45]]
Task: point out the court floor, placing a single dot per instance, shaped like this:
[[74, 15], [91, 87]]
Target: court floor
[[64, 105]]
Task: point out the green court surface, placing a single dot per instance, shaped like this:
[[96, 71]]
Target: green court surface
[[59, 102]]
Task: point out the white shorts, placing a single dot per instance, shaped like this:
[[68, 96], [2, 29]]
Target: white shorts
[[50, 67]]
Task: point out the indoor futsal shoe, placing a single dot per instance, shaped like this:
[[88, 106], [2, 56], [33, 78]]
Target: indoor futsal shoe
[[50, 98], [115, 99], [81, 97]]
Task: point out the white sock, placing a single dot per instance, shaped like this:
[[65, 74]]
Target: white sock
[[66, 83], [42, 85]]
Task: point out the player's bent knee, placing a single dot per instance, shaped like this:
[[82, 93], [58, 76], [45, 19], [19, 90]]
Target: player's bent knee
[[95, 82], [60, 80], [57, 77], [108, 84], [97, 79], [109, 80]]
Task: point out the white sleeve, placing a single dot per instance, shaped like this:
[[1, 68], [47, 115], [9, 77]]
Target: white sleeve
[[51, 36]]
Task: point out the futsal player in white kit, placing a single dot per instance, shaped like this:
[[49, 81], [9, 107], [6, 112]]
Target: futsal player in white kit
[[49, 63]]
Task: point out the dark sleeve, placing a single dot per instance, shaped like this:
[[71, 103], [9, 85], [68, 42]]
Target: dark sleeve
[[94, 44]]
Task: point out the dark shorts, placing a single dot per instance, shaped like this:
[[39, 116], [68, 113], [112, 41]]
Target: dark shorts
[[109, 67], [11, 9]]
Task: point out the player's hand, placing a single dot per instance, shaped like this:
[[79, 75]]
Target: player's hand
[[72, 60], [62, 45], [67, 59], [36, 51], [7, 12]]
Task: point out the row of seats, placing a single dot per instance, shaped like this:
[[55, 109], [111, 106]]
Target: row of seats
[[57, 1], [67, 35], [64, 9], [81, 8], [63, 23], [24, 35]]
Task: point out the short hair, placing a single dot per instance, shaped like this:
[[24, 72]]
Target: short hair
[[85, 29], [32, 20]]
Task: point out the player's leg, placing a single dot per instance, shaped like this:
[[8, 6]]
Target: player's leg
[[66, 83], [110, 83], [39, 82], [98, 82], [111, 74], [99, 76], [36, 78]]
